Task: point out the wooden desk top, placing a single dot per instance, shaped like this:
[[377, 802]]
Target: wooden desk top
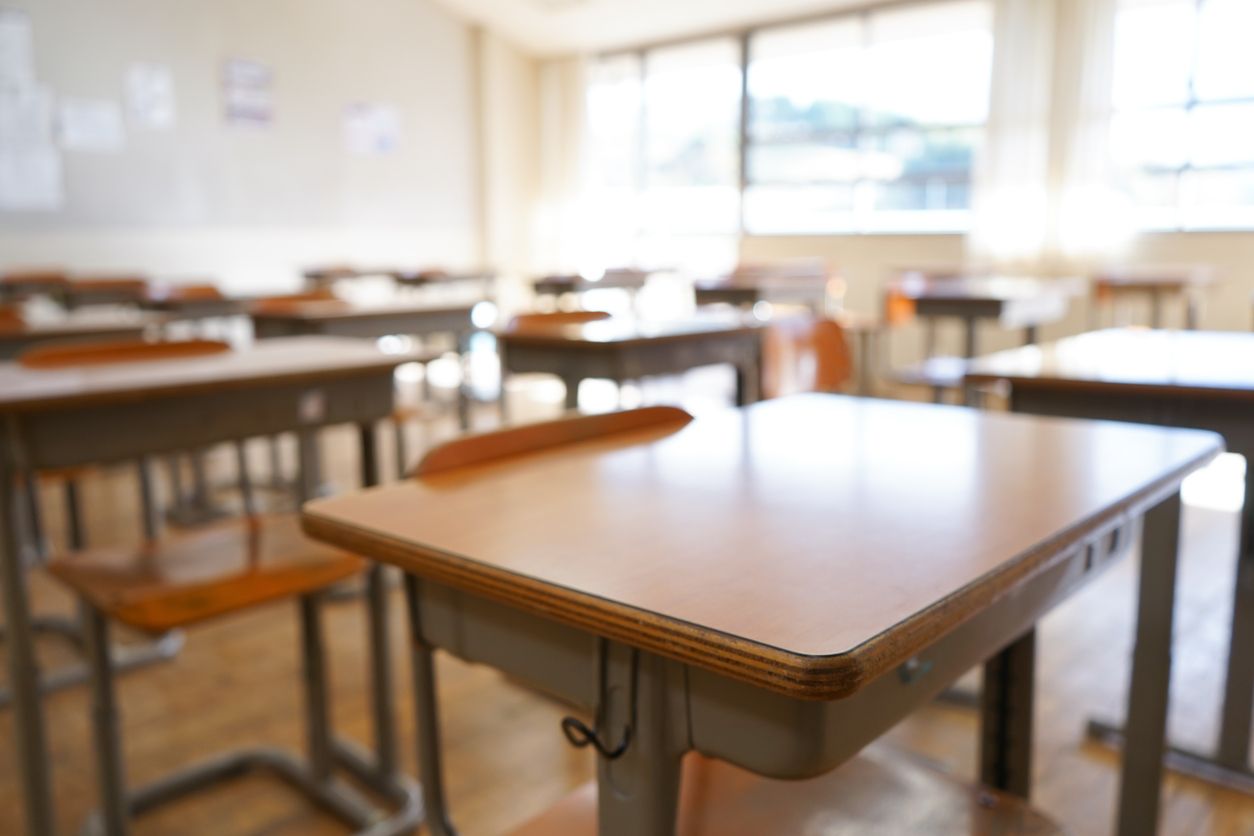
[[1165, 279], [272, 361], [1209, 363], [619, 333], [616, 278], [919, 286], [83, 323], [807, 545], [338, 309]]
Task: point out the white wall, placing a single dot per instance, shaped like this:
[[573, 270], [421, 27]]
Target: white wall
[[251, 206]]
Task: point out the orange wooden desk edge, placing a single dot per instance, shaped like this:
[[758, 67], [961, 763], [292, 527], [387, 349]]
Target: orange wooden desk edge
[[814, 677]]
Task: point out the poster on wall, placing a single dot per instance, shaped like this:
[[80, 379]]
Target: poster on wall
[[371, 129], [17, 55], [248, 92], [30, 164], [150, 96], [91, 125], [30, 179]]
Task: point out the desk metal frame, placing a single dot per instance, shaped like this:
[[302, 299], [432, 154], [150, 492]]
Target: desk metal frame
[[672, 707], [53, 436], [1229, 764]]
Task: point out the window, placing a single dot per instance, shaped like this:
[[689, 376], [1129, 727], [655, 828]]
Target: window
[[869, 122], [1182, 134], [857, 123], [664, 153]]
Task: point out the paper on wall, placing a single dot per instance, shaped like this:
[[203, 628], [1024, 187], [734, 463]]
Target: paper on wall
[[93, 125], [30, 179], [17, 54], [371, 129], [150, 96], [25, 117], [247, 91]]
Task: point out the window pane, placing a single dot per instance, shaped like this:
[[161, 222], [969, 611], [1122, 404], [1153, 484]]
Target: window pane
[[1218, 199], [1225, 57], [1153, 52], [799, 209], [692, 113], [805, 83], [922, 169], [692, 127], [613, 101], [809, 162], [1149, 138], [929, 64], [1222, 134]]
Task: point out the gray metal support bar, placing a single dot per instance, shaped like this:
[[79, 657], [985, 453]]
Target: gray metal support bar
[[75, 534], [111, 774], [1006, 702], [1151, 671], [317, 696], [148, 499], [643, 696], [28, 721], [427, 719], [1233, 750]]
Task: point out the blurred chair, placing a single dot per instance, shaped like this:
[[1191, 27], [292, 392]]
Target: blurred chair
[[804, 354]]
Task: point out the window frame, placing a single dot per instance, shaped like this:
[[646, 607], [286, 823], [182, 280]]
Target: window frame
[[1178, 210]]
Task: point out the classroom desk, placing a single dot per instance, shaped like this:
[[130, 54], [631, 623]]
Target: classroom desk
[[341, 319], [1177, 379], [621, 279], [486, 279], [181, 308], [626, 349], [746, 291], [149, 409], [777, 586], [79, 326], [1011, 301], [1156, 286]]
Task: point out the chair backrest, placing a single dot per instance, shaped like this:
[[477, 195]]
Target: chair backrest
[[65, 355], [201, 292], [10, 317], [805, 353], [540, 321], [32, 278], [530, 438]]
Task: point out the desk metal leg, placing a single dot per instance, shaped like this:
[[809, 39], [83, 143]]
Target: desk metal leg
[[1151, 671], [1228, 765], [970, 337], [427, 728], [572, 392], [643, 705], [28, 725], [749, 376], [1006, 717], [1234, 736]]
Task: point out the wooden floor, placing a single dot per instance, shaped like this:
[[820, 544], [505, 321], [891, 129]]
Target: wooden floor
[[236, 683]]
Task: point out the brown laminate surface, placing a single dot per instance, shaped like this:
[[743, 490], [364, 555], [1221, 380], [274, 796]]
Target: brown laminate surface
[[806, 545], [1214, 363], [625, 331], [294, 358], [336, 309]]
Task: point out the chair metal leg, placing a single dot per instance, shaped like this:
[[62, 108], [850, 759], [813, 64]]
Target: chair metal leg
[[110, 774]]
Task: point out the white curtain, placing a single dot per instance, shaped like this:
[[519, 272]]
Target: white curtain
[[1044, 201], [558, 222]]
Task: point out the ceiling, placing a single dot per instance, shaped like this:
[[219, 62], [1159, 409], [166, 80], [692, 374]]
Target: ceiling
[[568, 26]]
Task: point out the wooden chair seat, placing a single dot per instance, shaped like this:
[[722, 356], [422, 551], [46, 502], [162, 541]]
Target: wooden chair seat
[[883, 790], [188, 578], [528, 322]]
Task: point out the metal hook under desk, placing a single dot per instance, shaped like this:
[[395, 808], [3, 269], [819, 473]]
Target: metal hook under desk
[[578, 732]]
